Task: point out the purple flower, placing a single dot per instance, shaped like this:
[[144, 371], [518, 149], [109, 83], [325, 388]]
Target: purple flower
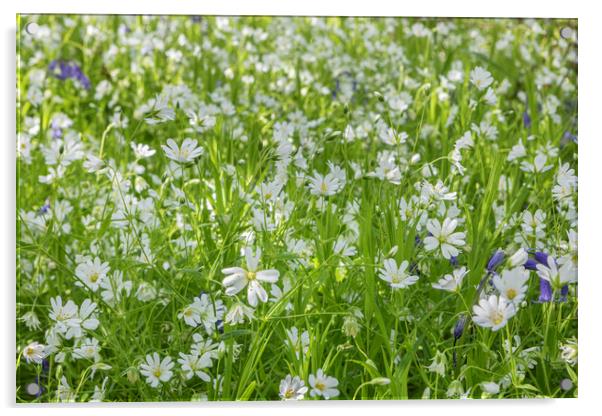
[[545, 290], [526, 119], [459, 327], [564, 291], [569, 136], [530, 264], [541, 257], [453, 260], [64, 70], [495, 260], [44, 209]]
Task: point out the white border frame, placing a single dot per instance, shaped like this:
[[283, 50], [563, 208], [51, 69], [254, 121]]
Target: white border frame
[[590, 338]]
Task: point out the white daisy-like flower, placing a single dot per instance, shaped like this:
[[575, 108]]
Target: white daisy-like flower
[[194, 364], [512, 284], [397, 277], [292, 388], [238, 312], [185, 153], [451, 282], [203, 311], [92, 273], [155, 370], [481, 78], [141, 150], [493, 312], [34, 353], [87, 349], [324, 185], [238, 278], [443, 236], [557, 277], [323, 385]]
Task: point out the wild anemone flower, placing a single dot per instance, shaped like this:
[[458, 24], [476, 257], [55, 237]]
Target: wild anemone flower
[[397, 277], [493, 312], [155, 370], [292, 388], [323, 385], [238, 278], [186, 153], [443, 236]]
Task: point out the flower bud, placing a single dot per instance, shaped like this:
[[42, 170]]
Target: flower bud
[[519, 258]]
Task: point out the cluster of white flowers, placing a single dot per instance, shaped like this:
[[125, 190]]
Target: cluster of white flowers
[[208, 205]]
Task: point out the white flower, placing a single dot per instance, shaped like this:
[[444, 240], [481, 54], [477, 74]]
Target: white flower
[[324, 185], [85, 320], [155, 370], [557, 277], [519, 258], [323, 385], [186, 153], [159, 110], [91, 273], [292, 388], [193, 364], [31, 320], [238, 278], [34, 352], [397, 277], [238, 313], [538, 165], [512, 284], [518, 151], [569, 352], [481, 78], [451, 282], [387, 170], [114, 286], [439, 361], [490, 387], [88, 349], [443, 236], [62, 315], [493, 312], [299, 344], [203, 311], [142, 150]]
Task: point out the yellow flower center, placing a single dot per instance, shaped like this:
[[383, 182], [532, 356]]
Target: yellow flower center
[[289, 393], [497, 318], [188, 312], [251, 275], [94, 277], [29, 351], [511, 293], [320, 386], [157, 372], [323, 187]]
